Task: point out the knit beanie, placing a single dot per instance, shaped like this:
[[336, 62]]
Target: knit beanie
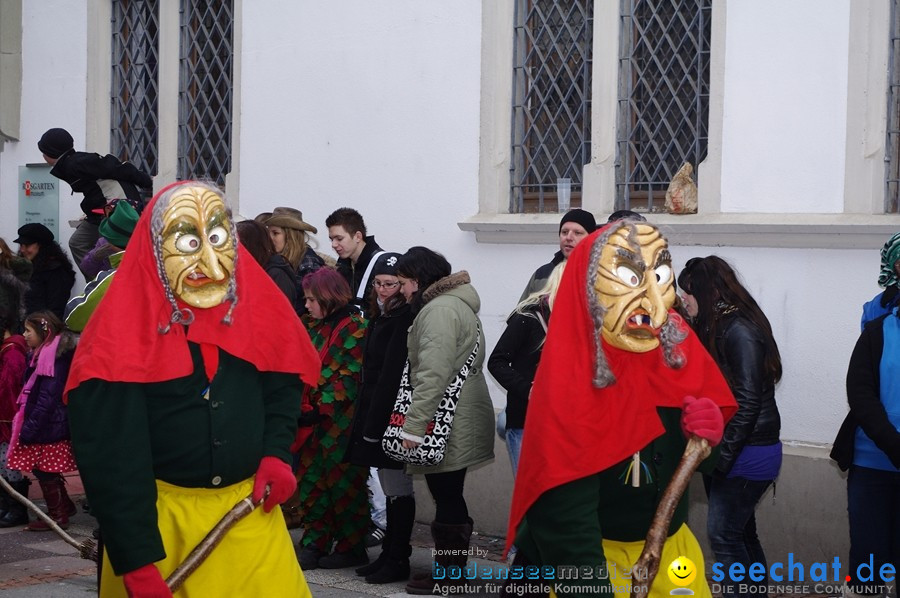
[[55, 142], [385, 264], [582, 217]]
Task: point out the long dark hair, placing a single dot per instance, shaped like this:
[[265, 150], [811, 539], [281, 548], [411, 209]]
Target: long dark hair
[[49, 255], [424, 266], [255, 239], [715, 286]]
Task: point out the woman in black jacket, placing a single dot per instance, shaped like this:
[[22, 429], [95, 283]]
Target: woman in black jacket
[[52, 277], [736, 332], [515, 358], [383, 359]]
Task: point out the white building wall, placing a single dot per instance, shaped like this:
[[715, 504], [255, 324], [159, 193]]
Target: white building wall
[[375, 105], [54, 63], [785, 106]]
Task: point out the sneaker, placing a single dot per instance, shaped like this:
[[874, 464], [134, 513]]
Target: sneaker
[[342, 560], [375, 537]]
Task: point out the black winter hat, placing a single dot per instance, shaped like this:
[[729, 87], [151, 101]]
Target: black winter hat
[[385, 264], [55, 142], [582, 217], [34, 232]]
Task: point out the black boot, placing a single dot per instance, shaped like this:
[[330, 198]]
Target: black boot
[[451, 541], [375, 565], [397, 550], [16, 513]]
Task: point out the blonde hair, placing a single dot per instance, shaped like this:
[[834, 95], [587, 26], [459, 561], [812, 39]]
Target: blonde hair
[[551, 286], [294, 246]]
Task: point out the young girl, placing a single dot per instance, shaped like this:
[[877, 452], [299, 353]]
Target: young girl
[[40, 432], [332, 492], [12, 373]]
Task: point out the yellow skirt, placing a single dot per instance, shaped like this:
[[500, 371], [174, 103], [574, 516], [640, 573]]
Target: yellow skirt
[[255, 558], [621, 556]]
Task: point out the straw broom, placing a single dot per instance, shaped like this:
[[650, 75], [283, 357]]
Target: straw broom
[[87, 549]]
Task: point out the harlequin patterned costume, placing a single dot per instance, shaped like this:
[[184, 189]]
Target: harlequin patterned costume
[[333, 500], [606, 407]]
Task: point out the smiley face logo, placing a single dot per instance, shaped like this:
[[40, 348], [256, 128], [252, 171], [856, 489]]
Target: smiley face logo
[[682, 571]]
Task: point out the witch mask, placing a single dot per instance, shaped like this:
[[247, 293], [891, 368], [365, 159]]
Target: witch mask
[[198, 248], [633, 285]]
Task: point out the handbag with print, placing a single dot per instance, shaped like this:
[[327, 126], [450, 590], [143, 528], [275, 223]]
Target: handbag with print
[[437, 434]]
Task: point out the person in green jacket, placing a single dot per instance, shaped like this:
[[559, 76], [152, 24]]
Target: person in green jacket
[[442, 337]]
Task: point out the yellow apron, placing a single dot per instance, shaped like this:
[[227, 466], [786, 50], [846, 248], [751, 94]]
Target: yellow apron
[[255, 558], [622, 556]]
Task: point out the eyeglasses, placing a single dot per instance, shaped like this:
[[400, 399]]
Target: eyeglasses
[[385, 285]]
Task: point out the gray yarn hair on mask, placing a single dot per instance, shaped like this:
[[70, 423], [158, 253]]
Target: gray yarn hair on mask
[[671, 334], [186, 316]]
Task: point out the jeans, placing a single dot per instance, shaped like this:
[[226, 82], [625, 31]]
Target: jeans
[[873, 504], [731, 525], [377, 500], [514, 446]]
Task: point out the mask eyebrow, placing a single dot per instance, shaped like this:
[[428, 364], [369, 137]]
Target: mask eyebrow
[[627, 255], [181, 226], [217, 218], [664, 257]]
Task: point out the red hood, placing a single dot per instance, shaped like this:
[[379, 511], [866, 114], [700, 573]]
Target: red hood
[[574, 429], [122, 342]]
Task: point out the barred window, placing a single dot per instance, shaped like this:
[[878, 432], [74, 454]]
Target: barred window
[[134, 130], [663, 97], [551, 112], [205, 89], [892, 150]]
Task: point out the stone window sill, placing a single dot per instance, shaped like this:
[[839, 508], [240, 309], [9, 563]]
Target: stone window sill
[[808, 231]]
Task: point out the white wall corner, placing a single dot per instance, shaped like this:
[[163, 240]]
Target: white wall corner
[[599, 175], [709, 172], [233, 178], [169, 43], [867, 88], [99, 76], [496, 101]]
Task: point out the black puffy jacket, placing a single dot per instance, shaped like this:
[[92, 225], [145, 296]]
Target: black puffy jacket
[[740, 354], [100, 178]]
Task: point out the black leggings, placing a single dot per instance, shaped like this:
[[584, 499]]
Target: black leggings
[[447, 491]]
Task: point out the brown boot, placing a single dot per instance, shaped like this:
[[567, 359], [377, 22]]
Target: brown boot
[[59, 505], [451, 542]]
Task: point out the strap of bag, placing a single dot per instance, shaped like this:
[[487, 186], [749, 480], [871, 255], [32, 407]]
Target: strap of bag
[[364, 281], [540, 318]]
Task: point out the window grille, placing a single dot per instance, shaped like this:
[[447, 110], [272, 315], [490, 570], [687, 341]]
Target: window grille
[[892, 153], [663, 97], [205, 89], [135, 83], [551, 111]]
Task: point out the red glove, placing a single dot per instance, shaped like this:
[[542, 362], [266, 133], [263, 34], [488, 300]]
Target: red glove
[[277, 475], [146, 582], [702, 417]]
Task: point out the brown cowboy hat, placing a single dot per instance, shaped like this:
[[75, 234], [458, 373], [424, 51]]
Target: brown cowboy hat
[[289, 218]]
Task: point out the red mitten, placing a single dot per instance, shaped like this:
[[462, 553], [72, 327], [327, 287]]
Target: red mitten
[[146, 582], [702, 417], [277, 475]]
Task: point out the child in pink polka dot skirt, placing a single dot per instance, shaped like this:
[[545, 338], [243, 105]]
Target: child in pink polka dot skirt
[[40, 433]]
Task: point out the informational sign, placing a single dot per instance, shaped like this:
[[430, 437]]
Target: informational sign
[[39, 196]]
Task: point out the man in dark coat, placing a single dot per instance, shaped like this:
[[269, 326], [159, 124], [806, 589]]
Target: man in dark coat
[[356, 252]]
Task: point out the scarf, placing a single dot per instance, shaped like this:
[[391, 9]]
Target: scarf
[[572, 429], [890, 253], [122, 340]]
